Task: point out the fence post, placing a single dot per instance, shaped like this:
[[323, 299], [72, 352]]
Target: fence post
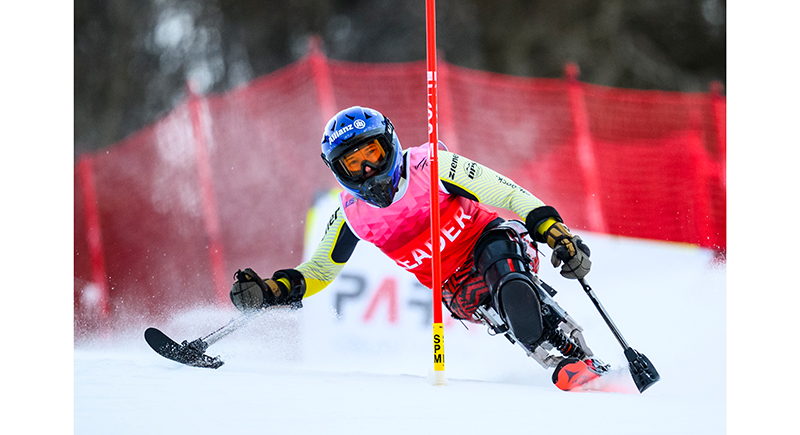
[[585, 149], [322, 79], [445, 115], [207, 197], [720, 124], [94, 236], [700, 217], [718, 115]]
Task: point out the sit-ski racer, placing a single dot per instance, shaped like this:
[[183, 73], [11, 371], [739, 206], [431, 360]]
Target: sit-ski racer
[[488, 275]]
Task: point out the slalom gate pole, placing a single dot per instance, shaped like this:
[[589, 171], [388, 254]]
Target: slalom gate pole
[[433, 144]]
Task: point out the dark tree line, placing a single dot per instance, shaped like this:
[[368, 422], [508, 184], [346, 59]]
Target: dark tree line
[[133, 58]]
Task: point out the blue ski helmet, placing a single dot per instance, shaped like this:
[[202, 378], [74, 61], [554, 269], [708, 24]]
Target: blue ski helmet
[[361, 148]]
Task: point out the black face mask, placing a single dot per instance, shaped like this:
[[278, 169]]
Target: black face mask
[[379, 190]]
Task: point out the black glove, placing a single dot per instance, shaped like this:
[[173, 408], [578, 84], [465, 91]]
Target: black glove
[[568, 249], [250, 292]]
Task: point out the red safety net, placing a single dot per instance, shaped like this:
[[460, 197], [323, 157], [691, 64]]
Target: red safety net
[[165, 217]]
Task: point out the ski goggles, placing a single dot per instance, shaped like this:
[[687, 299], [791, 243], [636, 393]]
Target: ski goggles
[[370, 154]]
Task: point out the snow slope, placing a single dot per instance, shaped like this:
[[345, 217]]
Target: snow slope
[[366, 372]]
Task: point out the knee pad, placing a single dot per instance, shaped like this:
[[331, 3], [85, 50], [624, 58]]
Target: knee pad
[[500, 259], [499, 253]]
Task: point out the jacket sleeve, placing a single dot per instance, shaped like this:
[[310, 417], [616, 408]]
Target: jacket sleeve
[[464, 177], [330, 255]]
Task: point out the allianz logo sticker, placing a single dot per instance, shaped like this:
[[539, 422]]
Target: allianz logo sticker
[[341, 131], [359, 123]]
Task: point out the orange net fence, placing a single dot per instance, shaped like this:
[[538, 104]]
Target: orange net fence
[[224, 181]]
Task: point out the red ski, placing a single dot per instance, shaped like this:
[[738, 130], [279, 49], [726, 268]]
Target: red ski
[[573, 372]]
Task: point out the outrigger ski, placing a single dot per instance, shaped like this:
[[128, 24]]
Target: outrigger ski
[[190, 354]]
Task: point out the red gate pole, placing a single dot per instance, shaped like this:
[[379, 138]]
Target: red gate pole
[[433, 144]]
